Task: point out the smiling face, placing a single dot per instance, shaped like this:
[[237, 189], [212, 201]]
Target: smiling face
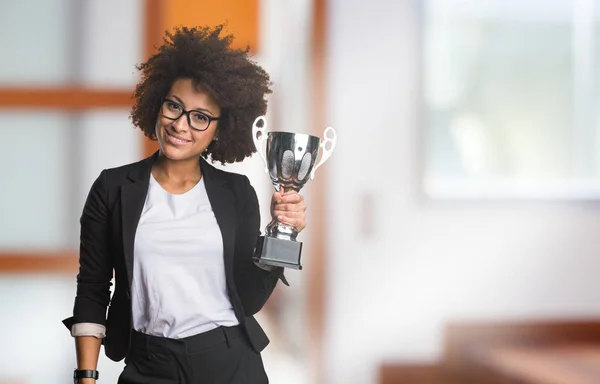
[[177, 140]]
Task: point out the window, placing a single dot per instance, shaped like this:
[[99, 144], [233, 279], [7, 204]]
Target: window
[[65, 91], [511, 91]]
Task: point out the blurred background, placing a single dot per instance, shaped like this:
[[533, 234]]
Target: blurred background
[[452, 237]]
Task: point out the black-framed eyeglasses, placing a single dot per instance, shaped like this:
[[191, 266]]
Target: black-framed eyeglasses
[[197, 120]]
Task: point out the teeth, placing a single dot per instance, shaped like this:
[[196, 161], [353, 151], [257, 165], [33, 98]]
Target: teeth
[[176, 139]]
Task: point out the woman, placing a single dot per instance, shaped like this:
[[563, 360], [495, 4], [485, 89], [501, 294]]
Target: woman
[[178, 233]]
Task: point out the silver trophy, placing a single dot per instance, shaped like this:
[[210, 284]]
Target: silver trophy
[[290, 162]]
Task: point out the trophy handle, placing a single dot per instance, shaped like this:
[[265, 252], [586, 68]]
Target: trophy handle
[[325, 152], [258, 142]]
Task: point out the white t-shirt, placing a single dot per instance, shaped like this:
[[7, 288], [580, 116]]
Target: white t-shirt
[[179, 287]]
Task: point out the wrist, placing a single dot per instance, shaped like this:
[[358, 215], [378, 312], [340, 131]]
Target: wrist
[[85, 381], [265, 267], [85, 376]]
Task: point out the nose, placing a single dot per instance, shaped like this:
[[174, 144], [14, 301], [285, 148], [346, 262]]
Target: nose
[[181, 124]]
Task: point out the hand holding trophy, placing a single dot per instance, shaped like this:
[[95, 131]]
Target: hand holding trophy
[[290, 161]]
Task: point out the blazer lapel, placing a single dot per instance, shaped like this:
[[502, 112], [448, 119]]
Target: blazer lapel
[[133, 197], [223, 204]]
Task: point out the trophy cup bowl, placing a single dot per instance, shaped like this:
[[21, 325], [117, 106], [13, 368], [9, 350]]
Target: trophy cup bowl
[[291, 161]]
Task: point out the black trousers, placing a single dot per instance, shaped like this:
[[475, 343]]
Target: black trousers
[[219, 356]]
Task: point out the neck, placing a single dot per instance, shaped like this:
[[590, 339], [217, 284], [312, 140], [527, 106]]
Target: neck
[[177, 170]]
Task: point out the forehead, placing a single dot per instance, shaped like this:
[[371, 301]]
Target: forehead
[[193, 96]]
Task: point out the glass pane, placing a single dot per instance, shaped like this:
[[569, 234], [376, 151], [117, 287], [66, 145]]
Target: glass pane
[[34, 41], [113, 42], [508, 96], [106, 139], [35, 184], [54, 159]]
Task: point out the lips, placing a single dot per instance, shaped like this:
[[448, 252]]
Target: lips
[[176, 139]]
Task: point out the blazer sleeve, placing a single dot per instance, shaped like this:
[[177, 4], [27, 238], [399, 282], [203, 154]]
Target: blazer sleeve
[[253, 283], [95, 265]]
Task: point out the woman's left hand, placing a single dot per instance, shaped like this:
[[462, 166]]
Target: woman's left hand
[[289, 208]]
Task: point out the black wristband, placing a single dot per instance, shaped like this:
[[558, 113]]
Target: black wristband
[[85, 374]]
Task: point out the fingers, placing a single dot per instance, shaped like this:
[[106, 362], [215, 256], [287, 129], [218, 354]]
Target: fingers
[[287, 197], [289, 215], [296, 220], [290, 203], [289, 208]]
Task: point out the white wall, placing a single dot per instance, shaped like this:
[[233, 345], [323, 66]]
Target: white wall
[[390, 292]]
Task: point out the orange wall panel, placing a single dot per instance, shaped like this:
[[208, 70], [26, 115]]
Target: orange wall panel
[[241, 17]]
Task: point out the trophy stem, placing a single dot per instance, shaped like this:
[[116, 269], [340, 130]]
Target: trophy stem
[[281, 231], [279, 187]]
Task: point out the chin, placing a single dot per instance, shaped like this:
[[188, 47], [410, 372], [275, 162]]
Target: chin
[[175, 153]]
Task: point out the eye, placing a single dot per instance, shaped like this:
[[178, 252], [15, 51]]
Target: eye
[[173, 106], [199, 117]]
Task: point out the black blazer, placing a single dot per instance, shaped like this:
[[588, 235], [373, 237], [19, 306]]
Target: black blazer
[[108, 225]]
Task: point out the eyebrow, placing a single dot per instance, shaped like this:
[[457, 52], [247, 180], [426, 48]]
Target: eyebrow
[[195, 109]]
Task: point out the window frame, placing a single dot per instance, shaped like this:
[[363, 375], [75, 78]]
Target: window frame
[[74, 99]]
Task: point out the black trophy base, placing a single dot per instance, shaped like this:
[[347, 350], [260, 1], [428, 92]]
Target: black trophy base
[[279, 253]]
